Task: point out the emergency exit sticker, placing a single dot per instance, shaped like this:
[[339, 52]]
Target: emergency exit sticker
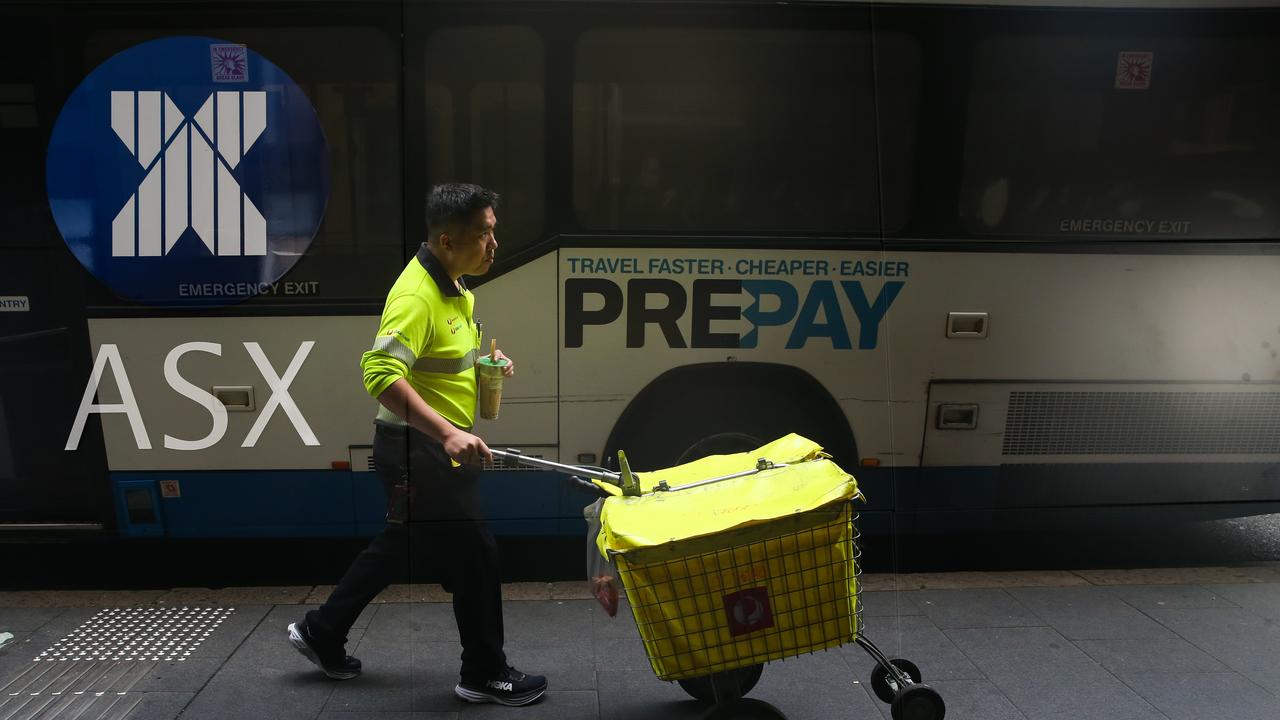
[[1133, 70], [15, 303]]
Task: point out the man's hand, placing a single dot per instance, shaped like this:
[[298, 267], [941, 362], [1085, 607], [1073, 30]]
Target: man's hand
[[510, 368], [467, 449]]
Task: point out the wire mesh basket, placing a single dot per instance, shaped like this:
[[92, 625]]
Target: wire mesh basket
[[747, 596]]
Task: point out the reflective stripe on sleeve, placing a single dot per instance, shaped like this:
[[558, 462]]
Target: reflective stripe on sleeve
[[446, 366], [392, 346]]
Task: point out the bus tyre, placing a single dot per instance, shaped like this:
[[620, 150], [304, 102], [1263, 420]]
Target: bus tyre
[[918, 702], [884, 686], [700, 688], [744, 709]]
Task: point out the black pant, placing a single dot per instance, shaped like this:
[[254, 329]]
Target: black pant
[[434, 511]]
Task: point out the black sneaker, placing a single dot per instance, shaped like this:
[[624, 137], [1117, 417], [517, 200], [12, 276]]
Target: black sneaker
[[508, 687], [327, 656]]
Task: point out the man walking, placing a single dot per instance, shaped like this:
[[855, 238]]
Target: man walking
[[422, 371]]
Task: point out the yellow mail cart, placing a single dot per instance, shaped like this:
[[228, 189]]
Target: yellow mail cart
[[733, 561]]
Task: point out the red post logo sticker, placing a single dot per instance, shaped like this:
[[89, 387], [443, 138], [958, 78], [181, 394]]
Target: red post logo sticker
[[748, 611]]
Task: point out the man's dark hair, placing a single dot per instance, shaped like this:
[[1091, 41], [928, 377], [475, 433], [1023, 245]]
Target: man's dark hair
[[453, 204]]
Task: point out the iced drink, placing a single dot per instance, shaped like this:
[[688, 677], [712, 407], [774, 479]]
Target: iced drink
[[489, 377]]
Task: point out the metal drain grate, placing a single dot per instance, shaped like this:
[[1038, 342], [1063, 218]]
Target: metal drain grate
[[138, 634]]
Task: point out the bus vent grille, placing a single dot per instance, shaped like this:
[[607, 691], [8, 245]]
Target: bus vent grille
[[1142, 423]]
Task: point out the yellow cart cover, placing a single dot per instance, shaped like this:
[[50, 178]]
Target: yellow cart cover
[[657, 518]]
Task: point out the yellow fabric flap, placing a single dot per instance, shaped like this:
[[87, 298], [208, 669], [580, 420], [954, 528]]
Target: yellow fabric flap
[[807, 483], [787, 449]]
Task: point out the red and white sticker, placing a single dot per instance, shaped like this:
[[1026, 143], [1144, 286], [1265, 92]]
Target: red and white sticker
[[748, 610], [1133, 70]]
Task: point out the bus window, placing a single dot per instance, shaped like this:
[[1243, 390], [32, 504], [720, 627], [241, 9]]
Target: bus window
[[486, 121], [1124, 136], [22, 204], [357, 251], [700, 129]]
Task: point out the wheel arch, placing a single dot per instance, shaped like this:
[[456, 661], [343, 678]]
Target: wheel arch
[[737, 386]]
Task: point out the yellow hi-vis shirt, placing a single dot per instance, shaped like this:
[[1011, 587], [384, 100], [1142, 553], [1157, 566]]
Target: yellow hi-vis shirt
[[428, 336]]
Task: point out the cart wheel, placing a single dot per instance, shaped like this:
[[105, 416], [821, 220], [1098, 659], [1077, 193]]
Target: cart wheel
[[699, 688], [918, 702], [744, 709], [880, 681]]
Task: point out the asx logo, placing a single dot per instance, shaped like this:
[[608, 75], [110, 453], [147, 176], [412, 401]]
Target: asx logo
[[161, 176], [190, 184], [110, 362]]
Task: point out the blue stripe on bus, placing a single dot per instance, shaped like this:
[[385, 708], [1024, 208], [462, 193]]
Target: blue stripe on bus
[[327, 503]]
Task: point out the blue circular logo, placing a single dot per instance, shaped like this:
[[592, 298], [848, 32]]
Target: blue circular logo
[[188, 170]]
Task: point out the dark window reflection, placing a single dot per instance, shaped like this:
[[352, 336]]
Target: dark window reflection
[[738, 129], [1143, 136], [486, 123]]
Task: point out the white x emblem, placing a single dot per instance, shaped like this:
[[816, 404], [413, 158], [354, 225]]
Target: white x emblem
[[178, 193]]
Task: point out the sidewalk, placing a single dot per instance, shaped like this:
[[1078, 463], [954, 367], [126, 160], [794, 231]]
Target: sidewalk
[[1189, 644]]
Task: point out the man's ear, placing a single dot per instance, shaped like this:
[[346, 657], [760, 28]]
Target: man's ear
[[444, 241]]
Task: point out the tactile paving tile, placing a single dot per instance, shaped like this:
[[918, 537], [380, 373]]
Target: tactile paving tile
[[124, 634], [90, 673]]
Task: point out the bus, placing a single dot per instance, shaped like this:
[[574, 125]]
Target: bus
[[1008, 262]]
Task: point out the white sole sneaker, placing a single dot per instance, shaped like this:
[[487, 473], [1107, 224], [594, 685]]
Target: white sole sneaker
[[300, 643], [475, 696]]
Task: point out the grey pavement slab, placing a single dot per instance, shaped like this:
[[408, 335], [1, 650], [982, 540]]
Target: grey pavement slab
[[17, 619], [1206, 696], [890, 604], [1124, 657], [1087, 613], [428, 622], [968, 700], [635, 695], [1245, 642], [1256, 597], [189, 675], [1047, 677], [1151, 597], [974, 609]]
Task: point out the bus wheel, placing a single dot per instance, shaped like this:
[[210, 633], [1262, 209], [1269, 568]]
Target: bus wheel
[[725, 443]]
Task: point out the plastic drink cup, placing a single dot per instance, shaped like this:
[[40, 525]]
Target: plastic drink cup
[[489, 377]]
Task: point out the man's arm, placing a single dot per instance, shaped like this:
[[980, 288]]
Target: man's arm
[[462, 446]]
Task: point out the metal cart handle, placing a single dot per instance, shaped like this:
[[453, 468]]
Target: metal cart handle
[[514, 455], [619, 479]]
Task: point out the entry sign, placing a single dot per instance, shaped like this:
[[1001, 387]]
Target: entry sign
[[15, 303]]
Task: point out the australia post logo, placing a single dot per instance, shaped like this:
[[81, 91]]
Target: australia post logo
[[186, 163]]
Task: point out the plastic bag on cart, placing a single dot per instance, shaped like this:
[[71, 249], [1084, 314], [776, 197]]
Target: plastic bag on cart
[[602, 575]]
